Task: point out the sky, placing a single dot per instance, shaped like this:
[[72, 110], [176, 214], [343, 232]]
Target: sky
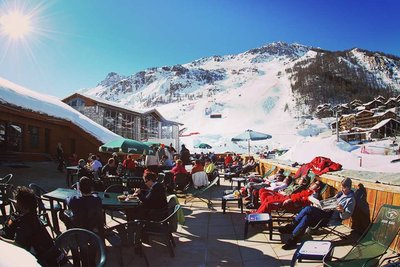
[[74, 44]]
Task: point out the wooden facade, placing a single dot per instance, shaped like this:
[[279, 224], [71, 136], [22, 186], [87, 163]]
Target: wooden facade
[[31, 136], [377, 194]]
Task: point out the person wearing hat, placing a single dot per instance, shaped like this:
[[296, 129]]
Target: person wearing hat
[[310, 216]]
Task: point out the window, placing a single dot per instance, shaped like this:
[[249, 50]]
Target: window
[[34, 136], [110, 120], [14, 137]]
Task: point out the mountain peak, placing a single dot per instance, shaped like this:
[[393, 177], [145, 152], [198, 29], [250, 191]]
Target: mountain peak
[[111, 79]]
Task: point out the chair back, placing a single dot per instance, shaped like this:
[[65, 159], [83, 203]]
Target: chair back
[[135, 182], [378, 237], [86, 247], [38, 193], [108, 181], [116, 188], [6, 193], [181, 180], [6, 179], [161, 178], [268, 173]]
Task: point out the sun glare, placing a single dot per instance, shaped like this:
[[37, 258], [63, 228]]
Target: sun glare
[[15, 24]]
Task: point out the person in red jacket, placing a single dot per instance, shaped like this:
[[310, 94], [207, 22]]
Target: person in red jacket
[[228, 160], [299, 199], [179, 168], [129, 165]]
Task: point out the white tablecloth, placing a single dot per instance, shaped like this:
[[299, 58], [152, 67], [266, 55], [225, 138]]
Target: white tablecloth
[[14, 256]]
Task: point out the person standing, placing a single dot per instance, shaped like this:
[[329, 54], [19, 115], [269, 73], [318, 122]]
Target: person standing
[[185, 155], [60, 157]]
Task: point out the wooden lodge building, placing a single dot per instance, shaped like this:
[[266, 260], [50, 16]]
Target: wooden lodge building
[[141, 126], [29, 134]]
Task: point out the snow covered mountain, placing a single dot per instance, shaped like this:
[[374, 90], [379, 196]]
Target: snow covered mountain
[[268, 89]]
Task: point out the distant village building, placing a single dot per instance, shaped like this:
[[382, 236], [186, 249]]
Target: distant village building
[[375, 119], [141, 126]]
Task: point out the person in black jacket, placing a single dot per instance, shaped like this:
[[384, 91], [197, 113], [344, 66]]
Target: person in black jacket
[[24, 229], [154, 201], [185, 155]]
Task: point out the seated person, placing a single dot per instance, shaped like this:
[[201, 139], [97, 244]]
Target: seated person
[[197, 167], [166, 163], [95, 166], [85, 209], [250, 165], [310, 216], [83, 170], [110, 168], [256, 184], [209, 168], [154, 201], [24, 229], [299, 199], [298, 186], [179, 168], [228, 160], [129, 165]]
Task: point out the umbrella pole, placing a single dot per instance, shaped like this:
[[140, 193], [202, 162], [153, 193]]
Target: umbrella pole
[[248, 146]]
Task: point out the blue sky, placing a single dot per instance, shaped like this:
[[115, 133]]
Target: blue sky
[[74, 44]]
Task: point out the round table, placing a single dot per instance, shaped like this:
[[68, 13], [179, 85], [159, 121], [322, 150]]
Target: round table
[[12, 255]]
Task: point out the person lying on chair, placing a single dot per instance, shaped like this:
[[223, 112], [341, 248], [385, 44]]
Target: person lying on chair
[[310, 216]]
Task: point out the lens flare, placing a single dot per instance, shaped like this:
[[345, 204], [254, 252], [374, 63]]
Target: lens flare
[[15, 24]]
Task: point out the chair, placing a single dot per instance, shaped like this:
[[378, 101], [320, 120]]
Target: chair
[[126, 235], [43, 203], [108, 181], [196, 193], [163, 229], [6, 179], [199, 179], [115, 188], [214, 175], [181, 181], [135, 182], [86, 247], [374, 243], [6, 191], [161, 178]]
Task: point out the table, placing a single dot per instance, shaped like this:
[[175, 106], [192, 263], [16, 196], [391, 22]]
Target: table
[[109, 201], [230, 198], [258, 218], [71, 171], [12, 255], [239, 181], [312, 250]]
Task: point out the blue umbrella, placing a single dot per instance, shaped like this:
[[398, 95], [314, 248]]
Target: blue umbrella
[[250, 135]]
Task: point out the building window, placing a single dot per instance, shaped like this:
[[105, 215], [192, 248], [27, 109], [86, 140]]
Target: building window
[[128, 126], [149, 128], [34, 136], [110, 120], [14, 137], [76, 102]]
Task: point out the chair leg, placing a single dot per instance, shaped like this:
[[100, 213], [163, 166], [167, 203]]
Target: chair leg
[[172, 239], [168, 242]]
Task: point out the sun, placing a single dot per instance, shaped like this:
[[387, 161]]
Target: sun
[[15, 24]]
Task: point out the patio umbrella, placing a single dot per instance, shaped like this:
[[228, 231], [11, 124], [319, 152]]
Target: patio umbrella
[[250, 135], [127, 146], [204, 146]]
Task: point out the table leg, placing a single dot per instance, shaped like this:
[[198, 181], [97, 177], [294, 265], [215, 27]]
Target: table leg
[[270, 229], [223, 205], [54, 218], [246, 228]]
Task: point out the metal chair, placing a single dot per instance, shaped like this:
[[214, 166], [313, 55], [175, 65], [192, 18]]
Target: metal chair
[[43, 203], [126, 235], [115, 188], [6, 179], [6, 191], [86, 247]]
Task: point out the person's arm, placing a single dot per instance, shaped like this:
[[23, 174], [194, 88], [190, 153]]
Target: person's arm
[[346, 209]]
